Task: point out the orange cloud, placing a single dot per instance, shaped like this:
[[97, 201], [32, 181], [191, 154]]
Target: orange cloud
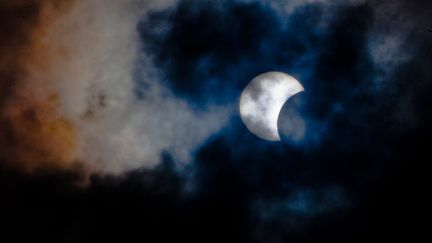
[[33, 134], [36, 136]]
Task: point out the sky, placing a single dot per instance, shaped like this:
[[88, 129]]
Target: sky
[[119, 120]]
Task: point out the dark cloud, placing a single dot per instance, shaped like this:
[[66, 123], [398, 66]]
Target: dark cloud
[[208, 50]]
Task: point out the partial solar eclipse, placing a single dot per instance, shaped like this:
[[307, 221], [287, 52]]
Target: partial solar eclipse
[[262, 101]]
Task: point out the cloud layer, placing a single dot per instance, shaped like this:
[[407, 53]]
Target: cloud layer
[[93, 61]]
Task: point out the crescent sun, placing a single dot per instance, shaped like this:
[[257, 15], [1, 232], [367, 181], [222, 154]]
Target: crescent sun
[[262, 100]]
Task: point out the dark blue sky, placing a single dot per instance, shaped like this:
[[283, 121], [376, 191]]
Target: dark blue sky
[[360, 111]]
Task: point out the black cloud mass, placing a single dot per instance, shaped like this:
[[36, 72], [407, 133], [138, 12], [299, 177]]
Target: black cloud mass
[[358, 173]]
